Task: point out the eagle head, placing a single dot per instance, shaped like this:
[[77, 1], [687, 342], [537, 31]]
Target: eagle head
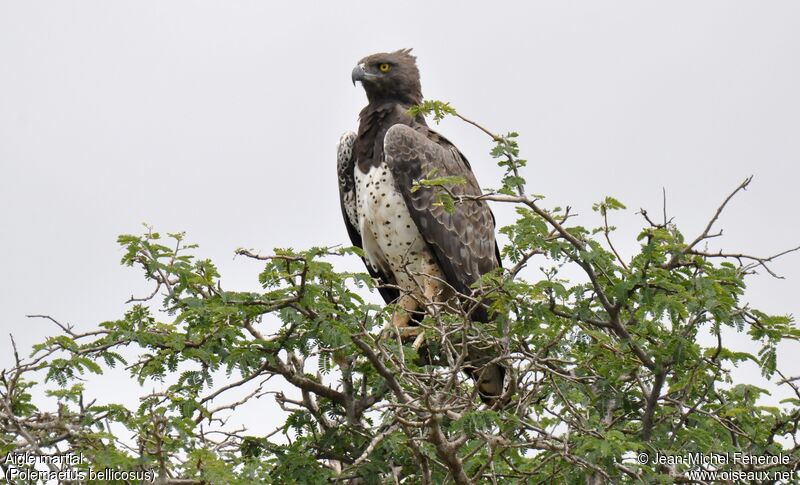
[[390, 76]]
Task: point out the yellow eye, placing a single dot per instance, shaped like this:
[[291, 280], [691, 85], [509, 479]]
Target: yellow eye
[[384, 67]]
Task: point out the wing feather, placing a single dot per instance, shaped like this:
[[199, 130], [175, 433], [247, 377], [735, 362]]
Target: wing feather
[[463, 240], [345, 163]]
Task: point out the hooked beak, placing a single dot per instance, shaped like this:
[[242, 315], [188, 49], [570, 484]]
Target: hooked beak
[[358, 74]]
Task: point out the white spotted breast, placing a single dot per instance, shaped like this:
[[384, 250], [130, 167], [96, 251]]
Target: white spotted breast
[[390, 237]]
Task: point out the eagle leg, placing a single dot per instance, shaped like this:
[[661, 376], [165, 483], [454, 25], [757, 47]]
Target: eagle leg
[[409, 304], [430, 291], [401, 318]]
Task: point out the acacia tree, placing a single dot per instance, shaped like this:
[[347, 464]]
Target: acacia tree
[[602, 371]]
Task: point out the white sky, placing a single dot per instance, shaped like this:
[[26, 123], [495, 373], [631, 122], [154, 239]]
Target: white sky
[[220, 119]]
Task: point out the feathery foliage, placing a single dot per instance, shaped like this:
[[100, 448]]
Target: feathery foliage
[[605, 370]]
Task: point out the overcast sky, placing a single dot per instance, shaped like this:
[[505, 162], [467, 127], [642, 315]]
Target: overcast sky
[[220, 119]]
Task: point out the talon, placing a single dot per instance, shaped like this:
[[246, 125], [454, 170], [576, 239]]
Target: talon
[[418, 341], [405, 334]]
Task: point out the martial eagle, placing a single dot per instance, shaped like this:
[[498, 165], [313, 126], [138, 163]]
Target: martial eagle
[[409, 240]]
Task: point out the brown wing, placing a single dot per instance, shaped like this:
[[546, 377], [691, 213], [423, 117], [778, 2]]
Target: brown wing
[[463, 240]]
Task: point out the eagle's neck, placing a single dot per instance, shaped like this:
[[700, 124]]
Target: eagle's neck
[[410, 98], [374, 121]]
